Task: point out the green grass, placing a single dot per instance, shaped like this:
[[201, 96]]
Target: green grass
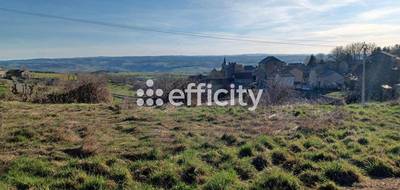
[[47, 75], [81, 146]]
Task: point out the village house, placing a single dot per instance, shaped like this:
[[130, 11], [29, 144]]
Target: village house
[[269, 70], [300, 73], [382, 76], [15, 74], [272, 70], [324, 78], [231, 73], [2, 73], [321, 75]]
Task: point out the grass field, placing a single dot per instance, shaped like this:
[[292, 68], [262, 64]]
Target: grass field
[[80, 146]]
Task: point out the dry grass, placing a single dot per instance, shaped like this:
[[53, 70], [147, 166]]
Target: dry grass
[[158, 144]]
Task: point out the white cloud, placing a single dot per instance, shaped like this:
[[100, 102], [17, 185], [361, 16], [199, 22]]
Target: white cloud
[[351, 30], [325, 5], [378, 13]]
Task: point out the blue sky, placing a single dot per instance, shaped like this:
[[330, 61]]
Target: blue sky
[[330, 22]]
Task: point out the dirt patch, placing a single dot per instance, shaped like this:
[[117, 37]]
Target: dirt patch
[[381, 184]]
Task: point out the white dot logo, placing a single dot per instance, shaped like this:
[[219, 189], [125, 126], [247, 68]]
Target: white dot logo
[[153, 97]]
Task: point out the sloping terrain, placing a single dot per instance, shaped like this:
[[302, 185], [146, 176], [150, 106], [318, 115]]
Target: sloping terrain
[[81, 146]]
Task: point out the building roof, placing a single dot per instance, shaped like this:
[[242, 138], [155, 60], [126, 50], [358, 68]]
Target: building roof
[[249, 67], [386, 54], [270, 59], [281, 74], [244, 75]]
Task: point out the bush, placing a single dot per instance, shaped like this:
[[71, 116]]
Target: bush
[[277, 179], [245, 151], [87, 89], [342, 174], [223, 180], [259, 162]]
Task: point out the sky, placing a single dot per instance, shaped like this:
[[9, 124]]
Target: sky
[[322, 24]]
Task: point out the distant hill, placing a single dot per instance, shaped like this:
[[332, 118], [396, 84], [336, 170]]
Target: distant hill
[[181, 64]]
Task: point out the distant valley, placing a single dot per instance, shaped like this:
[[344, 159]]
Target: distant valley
[[170, 64]]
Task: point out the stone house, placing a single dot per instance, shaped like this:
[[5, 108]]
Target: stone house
[[324, 78], [2, 73], [231, 73], [267, 69], [382, 75], [300, 74], [15, 74], [285, 80]]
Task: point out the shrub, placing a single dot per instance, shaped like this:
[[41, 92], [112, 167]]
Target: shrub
[[245, 151], [223, 180], [277, 179], [259, 162], [87, 89], [342, 173]]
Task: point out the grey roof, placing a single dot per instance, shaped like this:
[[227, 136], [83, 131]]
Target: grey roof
[[270, 59], [386, 54], [245, 75]]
